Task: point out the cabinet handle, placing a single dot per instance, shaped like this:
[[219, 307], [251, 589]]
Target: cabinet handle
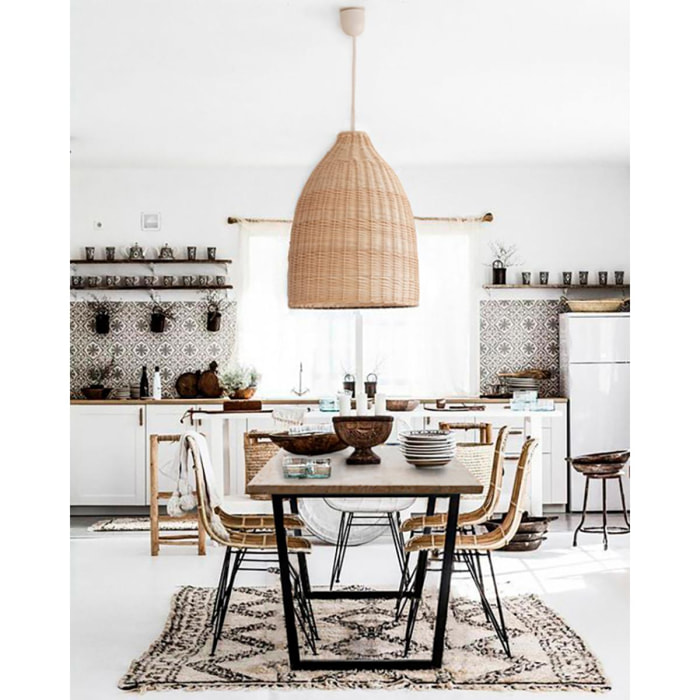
[[140, 416], [512, 459], [515, 432]]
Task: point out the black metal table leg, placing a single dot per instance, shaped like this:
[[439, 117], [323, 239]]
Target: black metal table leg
[[444, 597], [303, 568], [287, 593]]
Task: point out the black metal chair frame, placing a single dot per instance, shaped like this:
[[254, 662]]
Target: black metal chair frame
[[303, 611], [605, 529], [347, 521]]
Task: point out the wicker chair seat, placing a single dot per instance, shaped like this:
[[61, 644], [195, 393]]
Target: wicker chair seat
[[439, 520], [258, 522], [267, 540], [370, 505], [495, 539]]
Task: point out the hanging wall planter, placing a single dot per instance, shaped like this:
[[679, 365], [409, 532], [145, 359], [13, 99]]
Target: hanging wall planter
[[157, 322], [213, 321], [216, 305], [103, 309], [159, 312], [102, 323]]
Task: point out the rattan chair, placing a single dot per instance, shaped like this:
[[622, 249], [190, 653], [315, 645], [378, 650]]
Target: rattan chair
[[255, 543], [470, 547], [491, 479], [490, 476]]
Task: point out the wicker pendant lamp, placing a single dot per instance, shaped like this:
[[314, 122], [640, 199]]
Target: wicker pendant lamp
[[353, 240]]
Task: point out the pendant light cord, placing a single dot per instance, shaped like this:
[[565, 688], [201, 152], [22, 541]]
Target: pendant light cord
[[354, 70]]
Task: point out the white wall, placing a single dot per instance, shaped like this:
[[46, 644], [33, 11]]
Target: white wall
[[561, 217]]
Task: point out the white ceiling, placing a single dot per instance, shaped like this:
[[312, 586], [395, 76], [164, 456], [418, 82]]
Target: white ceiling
[[267, 82]]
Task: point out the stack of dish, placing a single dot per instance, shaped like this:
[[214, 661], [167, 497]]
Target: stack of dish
[[427, 448], [522, 384], [121, 393]]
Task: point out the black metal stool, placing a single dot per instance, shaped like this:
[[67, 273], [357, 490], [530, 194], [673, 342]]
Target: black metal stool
[[603, 472]]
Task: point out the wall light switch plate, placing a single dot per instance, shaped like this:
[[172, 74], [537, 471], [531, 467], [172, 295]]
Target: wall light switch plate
[[150, 222]]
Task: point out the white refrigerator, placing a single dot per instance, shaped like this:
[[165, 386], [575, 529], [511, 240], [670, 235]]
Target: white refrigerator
[[595, 376]]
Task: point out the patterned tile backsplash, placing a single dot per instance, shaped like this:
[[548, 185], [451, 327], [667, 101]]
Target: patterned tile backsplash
[[184, 346], [517, 335]]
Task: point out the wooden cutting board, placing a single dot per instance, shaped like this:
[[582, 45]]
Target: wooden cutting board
[[208, 384], [186, 385]]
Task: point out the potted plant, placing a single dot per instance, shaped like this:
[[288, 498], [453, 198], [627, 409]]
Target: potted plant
[[99, 376], [216, 305], [240, 382], [103, 309], [504, 257], [159, 312]]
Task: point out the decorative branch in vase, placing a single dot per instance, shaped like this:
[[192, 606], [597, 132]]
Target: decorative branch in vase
[[503, 258]]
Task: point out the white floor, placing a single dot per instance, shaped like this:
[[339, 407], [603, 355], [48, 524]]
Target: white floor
[[121, 596]]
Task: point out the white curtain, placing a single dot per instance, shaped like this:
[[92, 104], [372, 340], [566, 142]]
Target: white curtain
[[426, 351]]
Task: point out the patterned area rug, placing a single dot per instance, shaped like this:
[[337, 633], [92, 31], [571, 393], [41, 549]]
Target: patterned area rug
[[139, 525], [547, 653]]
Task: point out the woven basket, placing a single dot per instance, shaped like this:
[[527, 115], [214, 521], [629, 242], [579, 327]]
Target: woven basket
[[595, 305], [353, 241], [258, 452], [478, 459]]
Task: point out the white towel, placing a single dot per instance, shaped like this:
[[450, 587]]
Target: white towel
[[180, 470]]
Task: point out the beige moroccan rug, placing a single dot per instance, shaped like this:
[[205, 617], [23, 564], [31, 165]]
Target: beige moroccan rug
[[139, 525], [547, 653]]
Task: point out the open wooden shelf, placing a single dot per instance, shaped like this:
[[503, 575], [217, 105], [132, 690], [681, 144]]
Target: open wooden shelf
[[122, 288], [556, 286], [150, 261]]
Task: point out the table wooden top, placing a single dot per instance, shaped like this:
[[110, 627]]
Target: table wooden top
[[393, 477]]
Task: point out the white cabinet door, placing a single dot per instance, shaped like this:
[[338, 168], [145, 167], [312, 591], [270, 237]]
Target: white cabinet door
[[108, 456]]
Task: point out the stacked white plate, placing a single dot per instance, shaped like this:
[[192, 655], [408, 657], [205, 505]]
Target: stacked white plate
[[522, 383], [427, 448]]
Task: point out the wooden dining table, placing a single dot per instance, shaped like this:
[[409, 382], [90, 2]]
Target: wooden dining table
[[393, 477]]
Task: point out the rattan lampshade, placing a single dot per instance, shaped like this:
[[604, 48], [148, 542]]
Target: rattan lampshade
[[353, 242]]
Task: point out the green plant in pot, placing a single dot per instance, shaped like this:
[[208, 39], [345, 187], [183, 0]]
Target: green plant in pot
[[103, 309], [216, 305], [240, 382], [159, 313]]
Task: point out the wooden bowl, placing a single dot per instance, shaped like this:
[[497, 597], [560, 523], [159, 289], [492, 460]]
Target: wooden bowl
[[604, 469], [401, 404], [363, 433], [96, 393], [619, 457], [246, 393], [308, 445]]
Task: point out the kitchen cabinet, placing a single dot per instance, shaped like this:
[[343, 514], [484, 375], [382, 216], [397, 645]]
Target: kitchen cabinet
[[110, 448], [108, 455], [553, 449]]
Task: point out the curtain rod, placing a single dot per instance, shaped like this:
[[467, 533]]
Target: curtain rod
[[457, 219]]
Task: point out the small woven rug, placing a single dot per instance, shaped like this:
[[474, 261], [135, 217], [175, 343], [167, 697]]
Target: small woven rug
[[547, 653], [139, 525]]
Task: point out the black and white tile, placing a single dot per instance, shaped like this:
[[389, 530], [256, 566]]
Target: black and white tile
[[184, 346], [517, 335]]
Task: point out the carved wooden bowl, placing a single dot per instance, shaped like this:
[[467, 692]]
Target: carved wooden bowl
[[308, 445], [401, 404], [363, 433]]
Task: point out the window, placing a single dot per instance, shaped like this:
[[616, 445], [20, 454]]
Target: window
[[426, 351]]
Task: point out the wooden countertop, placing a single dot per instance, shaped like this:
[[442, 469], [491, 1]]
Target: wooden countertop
[[393, 477], [266, 402]]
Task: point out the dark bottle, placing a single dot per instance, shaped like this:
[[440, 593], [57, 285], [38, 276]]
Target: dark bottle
[[143, 392]]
